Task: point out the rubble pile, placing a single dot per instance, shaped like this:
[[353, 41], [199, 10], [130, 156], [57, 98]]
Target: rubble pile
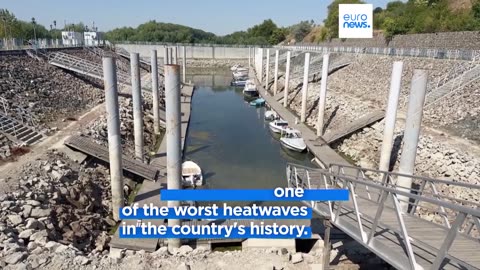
[[35, 89], [186, 258], [457, 112], [434, 159], [99, 132], [5, 147], [58, 206]]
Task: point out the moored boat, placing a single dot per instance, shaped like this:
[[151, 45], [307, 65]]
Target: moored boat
[[258, 102], [278, 126], [239, 82], [271, 115], [191, 174], [240, 75], [292, 139], [250, 89], [235, 67]]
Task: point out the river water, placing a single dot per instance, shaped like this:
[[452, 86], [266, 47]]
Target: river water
[[231, 141]]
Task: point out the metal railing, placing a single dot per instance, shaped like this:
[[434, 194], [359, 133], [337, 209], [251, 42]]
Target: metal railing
[[83, 66], [21, 44], [367, 187], [191, 44], [452, 86], [472, 55], [424, 187]]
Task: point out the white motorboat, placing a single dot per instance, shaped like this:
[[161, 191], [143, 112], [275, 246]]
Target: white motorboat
[[250, 89], [271, 115], [235, 67], [239, 82], [242, 69], [239, 73], [278, 126], [191, 174], [292, 139], [240, 76]]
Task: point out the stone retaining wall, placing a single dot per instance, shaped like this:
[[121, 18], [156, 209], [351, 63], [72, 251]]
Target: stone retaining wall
[[447, 40]]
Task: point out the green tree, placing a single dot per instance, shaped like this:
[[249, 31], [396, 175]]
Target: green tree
[[301, 30], [476, 10], [278, 36], [7, 19]]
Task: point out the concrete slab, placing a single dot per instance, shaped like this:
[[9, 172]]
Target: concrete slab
[[256, 243], [76, 156]]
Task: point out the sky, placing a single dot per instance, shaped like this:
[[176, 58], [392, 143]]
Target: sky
[[218, 16]]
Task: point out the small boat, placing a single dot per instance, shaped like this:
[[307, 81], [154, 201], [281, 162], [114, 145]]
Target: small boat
[[241, 69], [250, 89], [235, 67], [258, 102], [240, 76], [240, 73], [191, 174], [278, 126], [271, 115], [240, 82], [292, 139]]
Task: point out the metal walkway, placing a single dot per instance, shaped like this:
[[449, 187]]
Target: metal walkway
[[448, 238], [82, 66], [360, 123], [91, 148]]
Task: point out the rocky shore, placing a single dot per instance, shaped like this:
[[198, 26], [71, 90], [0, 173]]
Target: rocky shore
[[38, 91], [57, 206], [448, 146]]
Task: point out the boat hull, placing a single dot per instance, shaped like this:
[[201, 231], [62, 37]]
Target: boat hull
[[258, 102], [191, 174], [292, 147], [251, 94], [276, 129], [270, 116], [238, 83]]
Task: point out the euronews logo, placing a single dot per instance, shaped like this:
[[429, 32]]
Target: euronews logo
[[355, 21]]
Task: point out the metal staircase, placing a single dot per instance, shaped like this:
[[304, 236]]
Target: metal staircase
[[437, 232], [17, 131], [82, 66]]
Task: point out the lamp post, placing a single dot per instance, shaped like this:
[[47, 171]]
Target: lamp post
[[34, 30]]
